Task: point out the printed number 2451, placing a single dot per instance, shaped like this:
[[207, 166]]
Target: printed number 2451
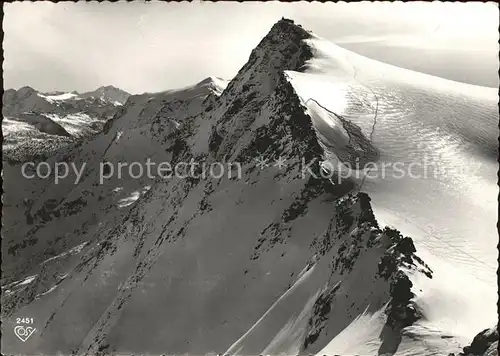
[[24, 321]]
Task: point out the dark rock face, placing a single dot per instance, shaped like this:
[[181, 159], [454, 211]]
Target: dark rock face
[[281, 49], [402, 312], [290, 123], [352, 235], [109, 123], [484, 343], [214, 141], [321, 310]]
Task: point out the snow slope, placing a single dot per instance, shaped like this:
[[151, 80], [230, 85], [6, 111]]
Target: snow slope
[[446, 127]]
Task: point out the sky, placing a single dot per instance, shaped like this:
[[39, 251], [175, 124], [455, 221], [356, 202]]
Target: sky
[[154, 46]]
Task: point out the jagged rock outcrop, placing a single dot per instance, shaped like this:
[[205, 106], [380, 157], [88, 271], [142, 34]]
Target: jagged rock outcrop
[[484, 344], [281, 49]]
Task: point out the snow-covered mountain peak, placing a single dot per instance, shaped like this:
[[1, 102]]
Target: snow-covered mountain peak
[[108, 93], [215, 84], [271, 259], [253, 87]]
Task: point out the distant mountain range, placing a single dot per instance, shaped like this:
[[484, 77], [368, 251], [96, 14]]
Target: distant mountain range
[[31, 117]]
